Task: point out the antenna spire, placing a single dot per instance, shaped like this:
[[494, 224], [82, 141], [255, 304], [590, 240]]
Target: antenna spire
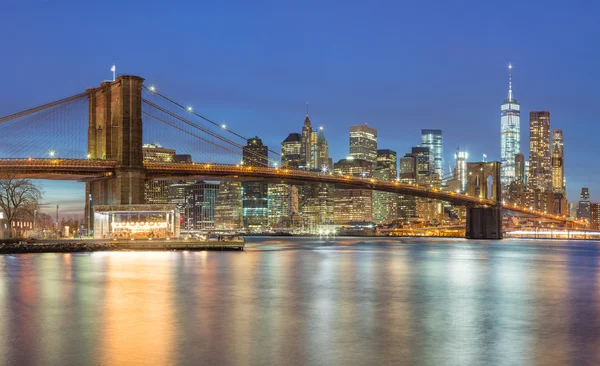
[[510, 93], [306, 109]]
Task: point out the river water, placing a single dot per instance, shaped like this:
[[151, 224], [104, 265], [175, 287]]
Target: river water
[[302, 301]]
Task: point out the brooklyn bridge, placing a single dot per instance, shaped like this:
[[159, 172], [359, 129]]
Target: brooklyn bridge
[[96, 137]]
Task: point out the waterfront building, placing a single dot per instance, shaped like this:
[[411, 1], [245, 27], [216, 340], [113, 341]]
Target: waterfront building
[[278, 204], [350, 205], [434, 141], [228, 206], [291, 148], [595, 216], [363, 143], [510, 134], [195, 201], [583, 209], [540, 159], [255, 202], [317, 207], [558, 162]]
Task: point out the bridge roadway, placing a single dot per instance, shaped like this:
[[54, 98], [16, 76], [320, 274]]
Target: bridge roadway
[[88, 170]]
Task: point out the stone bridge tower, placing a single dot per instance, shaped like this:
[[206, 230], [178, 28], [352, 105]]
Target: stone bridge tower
[[483, 181], [115, 133]]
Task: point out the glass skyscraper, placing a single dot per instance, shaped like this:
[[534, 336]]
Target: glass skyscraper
[[510, 143], [433, 140]]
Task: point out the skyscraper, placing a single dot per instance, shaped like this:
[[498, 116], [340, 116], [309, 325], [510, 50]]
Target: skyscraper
[[460, 169], [306, 147], [520, 169], [510, 130], [323, 160], [540, 159], [434, 141], [423, 166], [583, 211], [558, 162], [363, 143]]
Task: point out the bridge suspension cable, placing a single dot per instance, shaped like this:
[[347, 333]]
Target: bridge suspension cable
[[41, 107], [250, 154], [179, 105], [53, 130]]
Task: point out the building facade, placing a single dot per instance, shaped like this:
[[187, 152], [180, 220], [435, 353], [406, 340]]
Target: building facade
[[363, 143], [595, 216], [510, 134], [228, 206], [291, 148], [196, 202]]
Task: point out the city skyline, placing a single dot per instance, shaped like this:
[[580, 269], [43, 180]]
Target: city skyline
[[399, 96]]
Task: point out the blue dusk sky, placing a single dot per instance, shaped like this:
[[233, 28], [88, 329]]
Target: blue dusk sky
[[400, 66]]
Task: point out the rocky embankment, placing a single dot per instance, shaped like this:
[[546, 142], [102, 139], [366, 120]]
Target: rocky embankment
[[15, 247]]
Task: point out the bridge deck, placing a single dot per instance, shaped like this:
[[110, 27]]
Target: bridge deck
[[88, 169]]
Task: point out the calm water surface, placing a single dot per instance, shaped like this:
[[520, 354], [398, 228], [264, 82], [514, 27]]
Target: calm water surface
[[305, 301]]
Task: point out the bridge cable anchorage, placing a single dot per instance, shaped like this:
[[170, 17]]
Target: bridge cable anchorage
[[153, 91], [254, 156], [42, 107]]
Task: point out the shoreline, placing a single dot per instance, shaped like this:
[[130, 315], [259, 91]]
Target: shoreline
[[85, 246]]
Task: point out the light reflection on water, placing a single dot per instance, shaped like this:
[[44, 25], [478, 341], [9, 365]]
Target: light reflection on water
[[299, 301]]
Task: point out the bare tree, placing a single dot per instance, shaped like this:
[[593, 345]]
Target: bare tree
[[17, 196]]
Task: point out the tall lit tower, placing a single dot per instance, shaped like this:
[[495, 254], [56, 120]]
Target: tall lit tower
[[434, 141], [510, 143], [540, 158], [558, 162], [460, 169]]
